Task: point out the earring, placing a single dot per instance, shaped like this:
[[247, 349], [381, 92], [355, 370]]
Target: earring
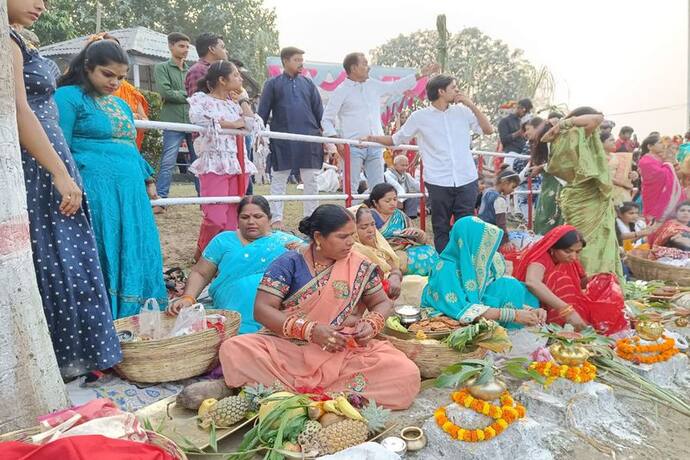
[[318, 246]]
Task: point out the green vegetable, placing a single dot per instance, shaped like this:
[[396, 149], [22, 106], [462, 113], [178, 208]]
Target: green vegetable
[[393, 323]]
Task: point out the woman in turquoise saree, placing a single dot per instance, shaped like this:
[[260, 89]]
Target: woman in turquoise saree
[[99, 130], [416, 257], [469, 281], [235, 261]]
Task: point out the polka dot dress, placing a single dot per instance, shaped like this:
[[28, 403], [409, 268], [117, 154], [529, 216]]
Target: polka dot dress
[[75, 300]]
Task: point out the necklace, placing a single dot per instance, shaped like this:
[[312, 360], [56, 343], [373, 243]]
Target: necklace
[[318, 268]]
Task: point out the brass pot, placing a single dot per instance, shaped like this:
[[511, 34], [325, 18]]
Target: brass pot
[[649, 330], [489, 391], [681, 321], [569, 355], [414, 437]]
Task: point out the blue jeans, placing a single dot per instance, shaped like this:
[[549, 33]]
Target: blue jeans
[[171, 147], [371, 160]]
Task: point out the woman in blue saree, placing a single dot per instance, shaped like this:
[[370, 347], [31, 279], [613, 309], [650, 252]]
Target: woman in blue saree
[[238, 260], [416, 257], [99, 129], [469, 281]]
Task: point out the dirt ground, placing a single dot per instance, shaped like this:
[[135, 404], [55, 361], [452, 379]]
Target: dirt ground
[[179, 225]]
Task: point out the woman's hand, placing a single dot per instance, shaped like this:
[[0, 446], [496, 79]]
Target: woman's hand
[[328, 339], [71, 194], [151, 191], [174, 308], [527, 317], [418, 234], [576, 321], [394, 283], [237, 124], [540, 312], [363, 333]]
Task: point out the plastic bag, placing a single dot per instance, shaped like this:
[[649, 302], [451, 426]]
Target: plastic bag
[[150, 321], [190, 320]]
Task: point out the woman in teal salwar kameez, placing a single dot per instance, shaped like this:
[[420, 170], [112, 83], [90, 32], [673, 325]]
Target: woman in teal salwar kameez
[[469, 281], [99, 130]]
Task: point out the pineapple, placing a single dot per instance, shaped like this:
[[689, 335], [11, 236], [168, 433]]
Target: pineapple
[[306, 437], [376, 417], [230, 410], [341, 435], [227, 411]]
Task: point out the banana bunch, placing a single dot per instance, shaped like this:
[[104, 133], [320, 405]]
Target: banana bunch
[[341, 406]]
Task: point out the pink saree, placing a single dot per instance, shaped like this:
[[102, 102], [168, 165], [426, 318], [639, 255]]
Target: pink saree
[[661, 190], [377, 370]]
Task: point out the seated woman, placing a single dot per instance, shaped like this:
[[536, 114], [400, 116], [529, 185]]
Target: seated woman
[[321, 308], [416, 257], [553, 273], [234, 262], [372, 245], [672, 239], [469, 282]]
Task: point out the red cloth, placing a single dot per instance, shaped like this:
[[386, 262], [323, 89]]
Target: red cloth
[[600, 305], [83, 448]]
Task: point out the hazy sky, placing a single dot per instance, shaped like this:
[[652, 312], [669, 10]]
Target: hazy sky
[[618, 56]]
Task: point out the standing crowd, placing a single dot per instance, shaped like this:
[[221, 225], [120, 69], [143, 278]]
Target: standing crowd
[[97, 253]]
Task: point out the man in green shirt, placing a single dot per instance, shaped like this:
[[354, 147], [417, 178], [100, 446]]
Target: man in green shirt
[[170, 76]]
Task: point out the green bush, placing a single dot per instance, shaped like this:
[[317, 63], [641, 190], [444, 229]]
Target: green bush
[[152, 147]]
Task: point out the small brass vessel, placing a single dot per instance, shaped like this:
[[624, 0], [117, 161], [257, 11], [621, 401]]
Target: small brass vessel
[[414, 437], [649, 330], [569, 355], [488, 391]]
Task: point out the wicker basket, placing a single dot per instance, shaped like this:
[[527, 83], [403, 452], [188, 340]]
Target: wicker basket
[[174, 358], [155, 439], [649, 270], [433, 357]]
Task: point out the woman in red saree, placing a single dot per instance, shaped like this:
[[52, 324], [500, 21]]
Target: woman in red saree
[[321, 307], [661, 189], [553, 273]]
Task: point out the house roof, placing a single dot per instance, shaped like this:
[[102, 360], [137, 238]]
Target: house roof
[[135, 40]]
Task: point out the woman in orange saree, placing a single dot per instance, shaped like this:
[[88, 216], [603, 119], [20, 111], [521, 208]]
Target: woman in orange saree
[[321, 307], [553, 273]]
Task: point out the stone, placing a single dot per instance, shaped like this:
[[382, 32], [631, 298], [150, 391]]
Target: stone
[[669, 374], [588, 410], [522, 439]]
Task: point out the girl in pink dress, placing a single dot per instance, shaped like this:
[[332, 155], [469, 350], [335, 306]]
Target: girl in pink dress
[[218, 167]]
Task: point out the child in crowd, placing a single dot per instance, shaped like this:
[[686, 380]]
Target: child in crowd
[[494, 207], [630, 228], [484, 184]]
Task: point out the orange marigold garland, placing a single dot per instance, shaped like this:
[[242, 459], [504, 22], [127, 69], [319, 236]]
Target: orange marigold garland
[[631, 350], [552, 371], [508, 412]]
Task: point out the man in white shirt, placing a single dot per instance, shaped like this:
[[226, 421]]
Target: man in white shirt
[[403, 182], [443, 131], [355, 106]]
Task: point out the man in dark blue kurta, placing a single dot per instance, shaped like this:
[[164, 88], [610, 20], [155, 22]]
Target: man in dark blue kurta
[[294, 105]]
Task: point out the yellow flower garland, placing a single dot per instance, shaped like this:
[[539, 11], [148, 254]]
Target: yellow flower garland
[[552, 371], [507, 413], [631, 350]]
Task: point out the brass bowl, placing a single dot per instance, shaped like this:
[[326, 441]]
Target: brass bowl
[[649, 330], [414, 437], [488, 391], [681, 322], [569, 355]]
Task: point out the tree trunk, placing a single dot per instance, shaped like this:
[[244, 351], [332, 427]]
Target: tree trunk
[[30, 382]]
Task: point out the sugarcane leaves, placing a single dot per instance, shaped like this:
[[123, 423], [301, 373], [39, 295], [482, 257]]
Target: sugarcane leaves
[[519, 368]]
